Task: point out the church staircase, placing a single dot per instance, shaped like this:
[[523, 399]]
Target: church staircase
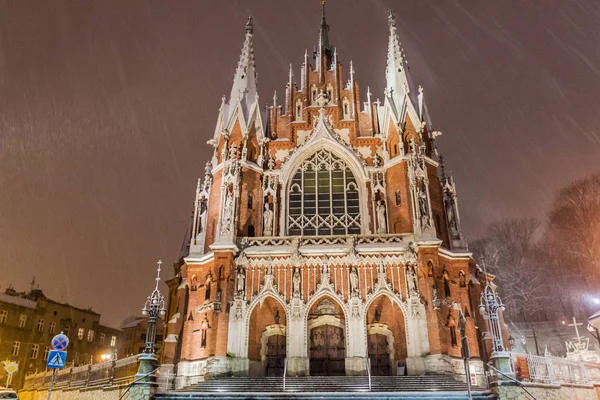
[[329, 387]]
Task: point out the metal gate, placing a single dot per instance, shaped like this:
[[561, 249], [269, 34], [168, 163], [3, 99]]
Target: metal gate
[[275, 355], [379, 354], [327, 351]]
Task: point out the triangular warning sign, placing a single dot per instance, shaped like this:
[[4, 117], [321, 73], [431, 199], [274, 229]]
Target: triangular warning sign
[[56, 361]]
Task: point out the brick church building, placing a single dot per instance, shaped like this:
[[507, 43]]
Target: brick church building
[[326, 236]]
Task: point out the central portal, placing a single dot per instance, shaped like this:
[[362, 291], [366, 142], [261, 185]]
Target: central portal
[[327, 351]]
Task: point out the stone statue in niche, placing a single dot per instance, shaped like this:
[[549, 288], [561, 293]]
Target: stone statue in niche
[[241, 281], [412, 145], [381, 220], [353, 281], [296, 280], [429, 268], [449, 202], [412, 280], [233, 151], [227, 213], [322, 99], [267, 221], [202, 217], [462, 279], [205, 328], [423, 206], [194, 285]]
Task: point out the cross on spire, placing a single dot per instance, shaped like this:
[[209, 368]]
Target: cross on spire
[[159, 263], [575, 324]]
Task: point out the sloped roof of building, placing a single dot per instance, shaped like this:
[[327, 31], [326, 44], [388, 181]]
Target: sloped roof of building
[[18, 301]]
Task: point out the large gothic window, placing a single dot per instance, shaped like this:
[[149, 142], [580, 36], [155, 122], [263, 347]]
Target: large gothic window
[[323, 198]]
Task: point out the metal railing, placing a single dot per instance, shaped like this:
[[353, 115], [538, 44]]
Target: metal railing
[[284, 371], [117, 372], [553, 370], [369, 370]]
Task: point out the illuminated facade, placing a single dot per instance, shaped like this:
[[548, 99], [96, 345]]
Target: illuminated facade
[[323, 231]]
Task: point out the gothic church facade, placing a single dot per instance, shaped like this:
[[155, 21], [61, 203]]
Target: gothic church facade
[[326, 236]]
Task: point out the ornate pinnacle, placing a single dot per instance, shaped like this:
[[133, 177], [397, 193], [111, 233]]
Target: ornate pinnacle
[[249, 26], [391, 19]]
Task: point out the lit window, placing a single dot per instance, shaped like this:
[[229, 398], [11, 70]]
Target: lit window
[[324, 198], [113, 341], [22, 320], [52, 327], [15, 348], [80, 333], [90, 336], [46, 352], [35, 349], [40, 325], [101, 338], [67, 330], [3, 316]]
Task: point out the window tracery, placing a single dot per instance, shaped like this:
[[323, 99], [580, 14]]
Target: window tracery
[[324, 198]]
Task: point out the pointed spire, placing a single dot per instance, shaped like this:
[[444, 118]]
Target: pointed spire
[[397, 80], [324, 30], [244, 80]]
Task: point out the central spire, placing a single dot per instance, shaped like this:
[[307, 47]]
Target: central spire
[[324, 29]]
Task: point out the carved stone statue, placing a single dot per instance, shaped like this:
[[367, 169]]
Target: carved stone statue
[[241, 280], [411, 278], [423, 206], [296, 279], [233, 151], [381, 220], [353, 280], [322, 99], [450, 213], [267, 221], [227, 213], [412, 144]]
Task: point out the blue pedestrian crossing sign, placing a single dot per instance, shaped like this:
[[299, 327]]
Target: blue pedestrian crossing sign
[[56, 359]]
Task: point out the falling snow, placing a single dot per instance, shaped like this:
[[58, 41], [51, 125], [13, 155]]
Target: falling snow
[[105, 109]]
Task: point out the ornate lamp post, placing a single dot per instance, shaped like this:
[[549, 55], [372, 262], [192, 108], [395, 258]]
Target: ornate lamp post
[[489, 306], [154, 307], [144, 385]]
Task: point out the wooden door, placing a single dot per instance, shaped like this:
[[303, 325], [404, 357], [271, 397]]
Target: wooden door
[[379, 354], [327, 351], [275, 355]]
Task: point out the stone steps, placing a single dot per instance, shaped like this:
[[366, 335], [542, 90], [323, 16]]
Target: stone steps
[[329, 387]]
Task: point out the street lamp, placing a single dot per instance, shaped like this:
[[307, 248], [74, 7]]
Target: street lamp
[[153, 308], [490, 304], [462, 326]]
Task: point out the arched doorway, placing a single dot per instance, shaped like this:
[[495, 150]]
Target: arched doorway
[[267, 332], [379, 354], [327, 341], [386, 337], [274, 350]]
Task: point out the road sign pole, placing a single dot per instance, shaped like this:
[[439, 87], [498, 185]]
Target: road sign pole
[[51, 383]]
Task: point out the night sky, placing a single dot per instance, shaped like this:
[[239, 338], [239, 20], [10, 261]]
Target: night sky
[[106, 107]]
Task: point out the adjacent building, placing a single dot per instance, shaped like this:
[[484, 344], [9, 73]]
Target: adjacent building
[[326, 233], [134, 336], [29, 320]]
